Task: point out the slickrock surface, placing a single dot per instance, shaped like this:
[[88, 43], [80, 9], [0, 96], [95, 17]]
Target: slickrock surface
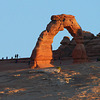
[[74, 82]]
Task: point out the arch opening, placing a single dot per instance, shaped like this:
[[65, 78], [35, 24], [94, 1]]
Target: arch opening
[[58, 38]]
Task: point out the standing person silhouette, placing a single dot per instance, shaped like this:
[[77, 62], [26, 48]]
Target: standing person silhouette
[[17, 56]]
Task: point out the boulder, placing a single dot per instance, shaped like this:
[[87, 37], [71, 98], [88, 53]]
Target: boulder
[[79, 54]]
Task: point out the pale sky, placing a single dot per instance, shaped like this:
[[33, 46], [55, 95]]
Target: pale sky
[[22, 21]]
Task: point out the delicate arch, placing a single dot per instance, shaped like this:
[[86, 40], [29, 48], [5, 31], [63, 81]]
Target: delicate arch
[[42, 53]]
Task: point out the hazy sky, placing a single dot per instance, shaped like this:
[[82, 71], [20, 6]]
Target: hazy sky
[[22, 21]]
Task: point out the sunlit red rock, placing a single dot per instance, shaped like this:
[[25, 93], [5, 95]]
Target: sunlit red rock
[[42, 53]]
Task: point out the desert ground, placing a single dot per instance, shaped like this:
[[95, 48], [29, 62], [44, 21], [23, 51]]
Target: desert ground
[[74, 82]]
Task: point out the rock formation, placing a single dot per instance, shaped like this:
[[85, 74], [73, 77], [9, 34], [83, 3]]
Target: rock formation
[[42, 53], [64, 50], [98, 35], [65, 41], [91, 43], [93, 47]]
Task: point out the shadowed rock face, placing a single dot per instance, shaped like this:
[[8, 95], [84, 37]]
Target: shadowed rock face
[[42, 53], [91, 43]]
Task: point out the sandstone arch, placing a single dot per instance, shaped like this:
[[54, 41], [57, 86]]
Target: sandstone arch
[[42, 53]]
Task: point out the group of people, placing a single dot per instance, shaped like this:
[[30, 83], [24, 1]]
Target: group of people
[[16, 57]]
